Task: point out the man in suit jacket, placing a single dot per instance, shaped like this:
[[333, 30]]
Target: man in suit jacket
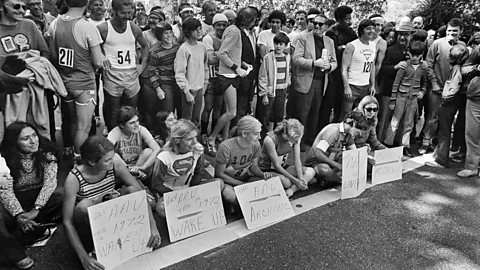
[[313, 64]]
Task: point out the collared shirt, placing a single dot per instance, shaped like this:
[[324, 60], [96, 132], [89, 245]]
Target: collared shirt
[[253, 39], [332, 140]]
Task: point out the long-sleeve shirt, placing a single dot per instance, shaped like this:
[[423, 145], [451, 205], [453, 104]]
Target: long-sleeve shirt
[[454, 83], [28, 180], [160, 64], [231, 51], [191, 60], [438, 60], [410, 80]]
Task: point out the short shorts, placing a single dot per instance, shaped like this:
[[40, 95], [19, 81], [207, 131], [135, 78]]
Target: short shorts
[[225, 82], [81, 97], [120, 82]]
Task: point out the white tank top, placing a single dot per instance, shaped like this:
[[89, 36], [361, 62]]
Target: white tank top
[[120, 48], [363, 59]]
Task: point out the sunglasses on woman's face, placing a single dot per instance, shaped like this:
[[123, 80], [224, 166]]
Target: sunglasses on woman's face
[[319, 24], [371, 109], [18, 6]]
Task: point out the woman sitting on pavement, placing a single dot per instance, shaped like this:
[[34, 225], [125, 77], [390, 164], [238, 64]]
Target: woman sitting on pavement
[[369, 107], [181, 149], [91, 183], [237, 158], [30, 198], [277, 145], [163, 128], [134, 143]]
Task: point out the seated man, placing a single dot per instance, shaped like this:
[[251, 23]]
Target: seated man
[[325, 156], [134, 143], [181, 163]]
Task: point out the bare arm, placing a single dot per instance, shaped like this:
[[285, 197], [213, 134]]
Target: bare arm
[[346, 59], [220, 173], [380, 56], [272, 154]]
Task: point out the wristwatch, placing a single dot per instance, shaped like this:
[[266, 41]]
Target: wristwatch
[[38, 207]]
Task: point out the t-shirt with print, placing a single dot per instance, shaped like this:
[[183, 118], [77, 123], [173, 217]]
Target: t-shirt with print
[[129, 147], [22, 37], [331, 140], [237, 159], [176, 170]]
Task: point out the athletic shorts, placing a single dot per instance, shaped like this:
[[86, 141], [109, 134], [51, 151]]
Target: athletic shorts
[[81, 97], [214, 88], [121, 82], [224, 83]]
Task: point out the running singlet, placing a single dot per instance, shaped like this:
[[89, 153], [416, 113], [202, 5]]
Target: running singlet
[[237, 158], [120, 48], [94, 190], [265, 163], [363, 59], [176, 170]]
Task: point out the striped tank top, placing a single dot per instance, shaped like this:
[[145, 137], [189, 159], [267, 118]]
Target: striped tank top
[[93, 190]]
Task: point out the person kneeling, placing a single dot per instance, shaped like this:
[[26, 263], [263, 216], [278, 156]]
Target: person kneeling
[[325, 156], [91, 183], [180, 165]]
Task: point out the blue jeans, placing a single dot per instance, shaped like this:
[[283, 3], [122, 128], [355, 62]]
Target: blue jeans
[[406, 110], [273, 111], [430, 129]]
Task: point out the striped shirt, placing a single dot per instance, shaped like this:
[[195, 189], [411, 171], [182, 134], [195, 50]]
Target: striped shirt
[[160, 64], [93, 190], [281, 72]]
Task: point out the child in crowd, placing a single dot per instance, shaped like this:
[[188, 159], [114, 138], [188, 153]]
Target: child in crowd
[[273, 80], [453, 98], [191, 70], [237, 158], [410, 85], [133, 142], [181, 164], [325, 155], [164, 123], [277, 145]]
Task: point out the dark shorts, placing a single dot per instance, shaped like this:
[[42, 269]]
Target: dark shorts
[[224, 83], [214, 87]]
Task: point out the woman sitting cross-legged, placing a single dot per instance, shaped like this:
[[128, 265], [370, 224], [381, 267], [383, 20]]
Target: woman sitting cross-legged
[[180, 164], [277, 145], [30, 199], [91, 183]]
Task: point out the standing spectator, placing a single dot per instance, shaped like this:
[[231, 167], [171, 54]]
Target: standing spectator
[[185, 11], [410, 84], [276, 19], [453, 98], [191, 70], [77, 53], [438, 61], [390, 36], [418, 22], [156, 17], [341, 34], [213, 95], [395, 58], [37, 15], [162, 72], [209, 9], [141, 18], [97, 12], [314, 58], [120, 76], [379, 43], [358, 66], [230, 70], [301, 26]]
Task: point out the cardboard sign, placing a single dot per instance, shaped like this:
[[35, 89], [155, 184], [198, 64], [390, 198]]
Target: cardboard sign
[[354, 172], [388, 165], [120, 228], [263, 202], [194, 210]]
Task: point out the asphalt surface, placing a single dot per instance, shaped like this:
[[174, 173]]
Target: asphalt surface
[[428, 220]]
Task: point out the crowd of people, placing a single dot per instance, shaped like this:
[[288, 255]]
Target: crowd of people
[[249, 88]]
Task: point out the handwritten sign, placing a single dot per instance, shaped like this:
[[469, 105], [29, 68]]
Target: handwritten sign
[[194, 210], [120, 229], [263, 202], [388, 165], [354, 172]]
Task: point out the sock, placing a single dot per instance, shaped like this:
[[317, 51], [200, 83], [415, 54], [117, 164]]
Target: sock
[[204, 127]]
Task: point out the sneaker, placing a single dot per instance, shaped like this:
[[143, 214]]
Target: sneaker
[[407, 152], [423, 149], [139, 175], [77, 160], [431, 148], [26, 263], [204, 139], [211, 149], [467, 173], [458, 157], [434, 164]]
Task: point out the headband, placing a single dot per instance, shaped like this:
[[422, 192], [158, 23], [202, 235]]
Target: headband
[[187, 9]]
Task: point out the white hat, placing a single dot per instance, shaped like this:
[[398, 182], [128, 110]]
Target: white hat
[[219, 17]]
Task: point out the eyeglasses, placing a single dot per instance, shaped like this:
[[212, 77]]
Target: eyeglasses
[[319, 24], [38, 4], [371, 109], [18, 6]]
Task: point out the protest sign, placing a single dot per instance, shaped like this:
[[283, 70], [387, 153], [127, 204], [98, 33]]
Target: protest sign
[[354, 172], [263, 202], [120, 228], [194, 210], [388, 165]]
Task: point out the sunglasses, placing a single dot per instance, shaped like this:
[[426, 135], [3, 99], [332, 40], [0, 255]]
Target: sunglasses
[[319, 24], [18, 6], [371, 109]]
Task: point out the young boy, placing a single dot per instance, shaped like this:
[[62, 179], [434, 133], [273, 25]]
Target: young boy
[[273, 80], [325, 156], [191, 70], [410, 84]]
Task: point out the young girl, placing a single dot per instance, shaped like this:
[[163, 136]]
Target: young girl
[[90, 184], [453, 98], [277, 145], [237, 158], [133, 142], [165, 121]]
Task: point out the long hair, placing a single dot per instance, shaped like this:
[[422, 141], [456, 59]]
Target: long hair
[[247, 124], [12, 154], [179, 130], [364, 102], [160, 126], [290, 127]]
